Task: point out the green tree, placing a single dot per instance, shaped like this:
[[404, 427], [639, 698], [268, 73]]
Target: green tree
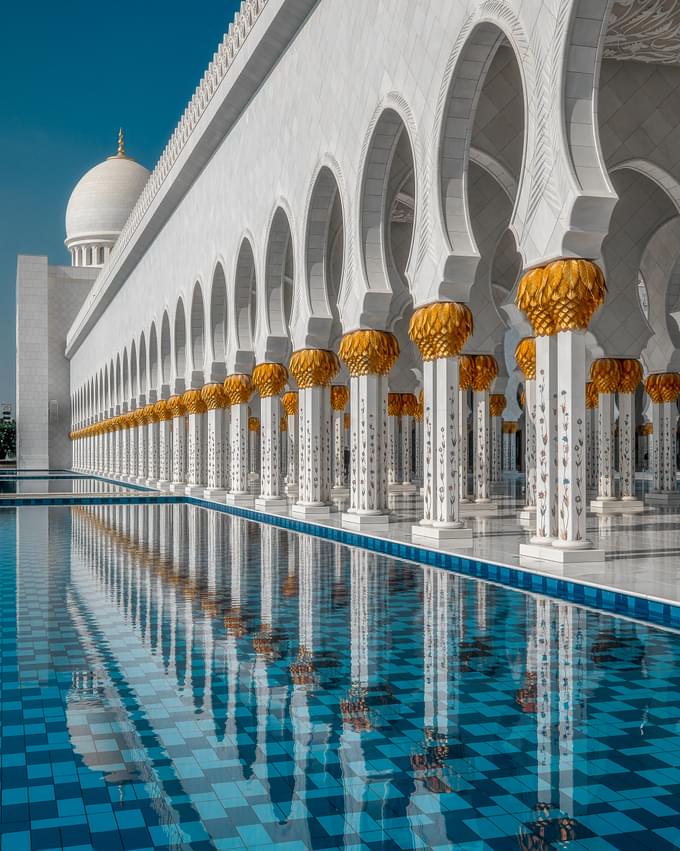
[[8, 438]]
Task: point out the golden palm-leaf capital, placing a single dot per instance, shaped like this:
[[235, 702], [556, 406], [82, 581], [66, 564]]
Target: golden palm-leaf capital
[[486, 370], [238, 389], [663, 386], [253, 424], [270, 379], [347, 421], [314, 367], [530, 299], [283, 424], [440, 330], [525, 355], [394, 404], [339, 397], [213, 396], [605, 373], [631, 375], [369, 352], [193, 402], [289, 401], [176, 406], [592, 396], [509, 427], [466, 371], [409, 405], [162, 410], [497, 403], [523, 398], [150, 414], [574, 288]]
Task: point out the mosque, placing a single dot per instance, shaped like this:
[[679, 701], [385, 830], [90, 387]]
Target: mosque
[[393, 247]]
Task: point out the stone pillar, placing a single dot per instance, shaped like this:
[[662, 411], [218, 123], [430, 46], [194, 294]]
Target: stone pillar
[[133, 459], [466, 374], [409, 409], [253, 447], [152, 445], [369, 356], [605, 374], [440, 331], [290, 406], [559, 301], [313, 370], [215, 401], [486, 370], [283, 440], [126, 422], [164, 415], [497, 403], [525, 355], [196, 440], [419, 442], [631, 374], [238, 390], [339, 400], [270, 379], [142, 446], [663, 389], [509, 429], [179, 451], [591, 435], [393, 422]]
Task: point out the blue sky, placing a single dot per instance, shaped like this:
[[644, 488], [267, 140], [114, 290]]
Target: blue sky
[[71, 73]]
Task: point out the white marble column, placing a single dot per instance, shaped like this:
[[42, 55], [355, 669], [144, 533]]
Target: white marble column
[[125, 449], [142, 447], [497, 405], [463, 452], [238, 390], [591, 435], [631, 372], [482, 445], [196, 442], [419, 446], [290, 406], [606, 381], [253, 447], [546, 440], [133, 457], [164, 445], [393, 423], [339, 400], [406, 437], [369, 356], [313, 370], [270, 379], [440, 330], [179, 450], [152, 447], [215, 401]]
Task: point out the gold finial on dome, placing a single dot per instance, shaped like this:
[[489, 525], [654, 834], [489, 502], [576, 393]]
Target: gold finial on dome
[[121, 143]]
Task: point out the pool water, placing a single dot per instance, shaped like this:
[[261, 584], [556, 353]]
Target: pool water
[[174, 677], [59, 484]]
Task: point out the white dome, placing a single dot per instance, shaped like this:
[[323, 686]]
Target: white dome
[[103, 199]]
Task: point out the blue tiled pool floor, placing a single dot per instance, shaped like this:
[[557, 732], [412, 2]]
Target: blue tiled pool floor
[[178, 678]]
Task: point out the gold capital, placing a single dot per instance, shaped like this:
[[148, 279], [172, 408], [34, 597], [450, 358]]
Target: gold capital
[[238, 389], [253, 424], [525, 355], [339, 397], [497, 404], [440, 330], [270, 379], [663, 386], [213, 396], [630, 375], [486, 370], [605, 373], [193, 402], [162, 410], [591, 395], [289, 401], [369, 352], [176, 406], [314, 367]]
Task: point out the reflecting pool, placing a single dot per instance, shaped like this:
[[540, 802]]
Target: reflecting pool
[[174, 677], [60, 484]]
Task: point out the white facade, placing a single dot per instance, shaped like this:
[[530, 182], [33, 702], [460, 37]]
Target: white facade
[[340, 167]]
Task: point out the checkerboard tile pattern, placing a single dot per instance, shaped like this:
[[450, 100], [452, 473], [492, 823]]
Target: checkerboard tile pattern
[[178, 678]]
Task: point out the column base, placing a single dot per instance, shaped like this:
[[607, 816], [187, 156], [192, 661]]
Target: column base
[[370, 522], [240, 499], [178, 487], [617, 506], [561, 555], [302, 510], [605, 505], [150, 483], [478, 507], [215, 494], [291, 490], [163, 485], [460, 535], [664, 499], [527, 515], [339, 490], [271, 503], [194, 490]]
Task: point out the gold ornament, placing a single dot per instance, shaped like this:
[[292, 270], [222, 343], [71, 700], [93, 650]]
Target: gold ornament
[[394, 404], [440, 330], [409, 405], [238, 389], [466, 371], [486, 369], [497, 404], [289, 401], [193, 402], [213, 396], [347, 421], [663, 386], [162, 410], [369, 352], [631, 375], [509, 427], [253, 424], [605, 373], [314, 367], [270, 379], [176, 406], [525, 355], [591, 395], [139, 417], [150, 414], [562, 296], [283, 424], [522, 398], [339, 397], [420, 412]]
